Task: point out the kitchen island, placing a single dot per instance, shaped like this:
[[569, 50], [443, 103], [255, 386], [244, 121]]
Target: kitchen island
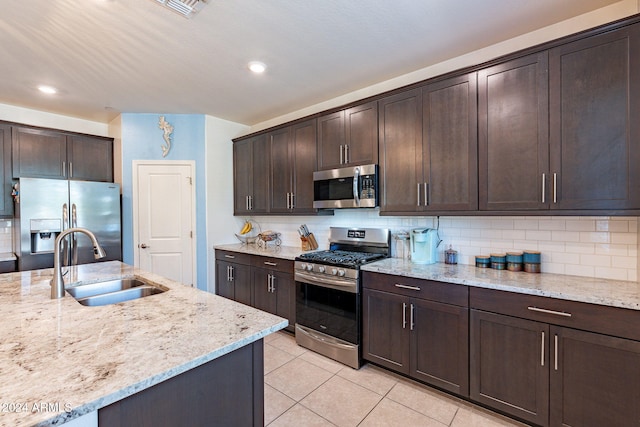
[[62, 360]]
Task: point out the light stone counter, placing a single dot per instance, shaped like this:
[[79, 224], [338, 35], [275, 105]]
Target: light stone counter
[[614, 293], [58, 352], [284, 252]]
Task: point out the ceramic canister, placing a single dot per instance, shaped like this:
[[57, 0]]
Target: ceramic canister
[[531, 257], [514, 261], [499, 261], [483, 261]]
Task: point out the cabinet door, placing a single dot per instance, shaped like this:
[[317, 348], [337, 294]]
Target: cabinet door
[[361, 138], [331, 140], [224, 282], [303, 145], [39, 153], [513, 123], [595, 131], [385, 329], [450, 141], [284, 288], [509, 360], [595, 380], [401, 152], [6, 201], [89, 158], [251, 166], [440, 345], [281, 170], [233, 281], [264, 298]]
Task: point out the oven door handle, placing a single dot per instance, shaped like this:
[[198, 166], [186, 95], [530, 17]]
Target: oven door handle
[[335, 283], [324, 339]]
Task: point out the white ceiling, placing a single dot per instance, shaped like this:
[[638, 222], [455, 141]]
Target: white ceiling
[[136, 56]]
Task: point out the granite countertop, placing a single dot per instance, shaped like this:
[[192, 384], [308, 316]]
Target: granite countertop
[[615, 293], [58, 352], [284, 252]]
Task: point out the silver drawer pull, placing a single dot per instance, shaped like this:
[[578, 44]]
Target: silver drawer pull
[[413, 288], [544, 310], [230, 256], [273, 264]]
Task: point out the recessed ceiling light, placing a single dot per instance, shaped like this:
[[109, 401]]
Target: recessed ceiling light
[[257, 67], [50, 90]]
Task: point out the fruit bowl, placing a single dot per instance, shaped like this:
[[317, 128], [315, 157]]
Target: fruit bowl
[[267, 237], [251, 232], [247, 240]]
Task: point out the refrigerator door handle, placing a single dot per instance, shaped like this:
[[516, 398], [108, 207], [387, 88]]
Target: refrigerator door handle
[[74, 243], [65, 243]]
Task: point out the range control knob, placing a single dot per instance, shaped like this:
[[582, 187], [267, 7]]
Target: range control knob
[[334, 271], [341, 273], [309, 267], [321, 269]]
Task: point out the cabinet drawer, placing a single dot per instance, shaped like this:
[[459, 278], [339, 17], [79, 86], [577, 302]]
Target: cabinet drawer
[[235, 257], [592, 317], [417, 288], [271, 263]]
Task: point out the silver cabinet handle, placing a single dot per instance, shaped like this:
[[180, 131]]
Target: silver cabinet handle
[[555, 188], [544, 310], [288, 200], [418, 194], [250, 203], [64, 169], [293, 201], [555, 352], [346, 154], [404, 315], [273, 283], [70, 169], [230, 256], [542, 348], [341, 155], [273, 264], [426, 194], [413, 288], [544, 179], [411, 324], [230, 273], [246, 202]]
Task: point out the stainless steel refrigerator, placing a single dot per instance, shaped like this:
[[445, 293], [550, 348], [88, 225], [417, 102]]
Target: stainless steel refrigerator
[[46, 207]]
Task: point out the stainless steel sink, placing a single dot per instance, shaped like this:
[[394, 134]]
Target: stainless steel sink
[[113, 291]]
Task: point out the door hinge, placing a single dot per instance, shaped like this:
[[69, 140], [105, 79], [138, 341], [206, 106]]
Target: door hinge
[[191, 234]]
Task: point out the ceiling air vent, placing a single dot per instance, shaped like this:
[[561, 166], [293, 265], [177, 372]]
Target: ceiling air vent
[[186, 8]]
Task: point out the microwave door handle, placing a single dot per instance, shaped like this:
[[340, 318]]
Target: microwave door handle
[[356, 181]]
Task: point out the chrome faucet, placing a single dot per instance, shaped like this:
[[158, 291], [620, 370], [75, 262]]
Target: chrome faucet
[[57, 283]]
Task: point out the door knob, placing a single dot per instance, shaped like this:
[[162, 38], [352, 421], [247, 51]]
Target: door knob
[[143, 246]]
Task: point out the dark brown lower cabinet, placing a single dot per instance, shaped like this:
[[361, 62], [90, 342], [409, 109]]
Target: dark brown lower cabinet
[[595, 379], [259, 281], [509, 365], [228, 391], [422, 338], [534, 358]]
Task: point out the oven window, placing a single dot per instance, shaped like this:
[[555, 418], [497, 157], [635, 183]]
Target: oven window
[[329, 311]]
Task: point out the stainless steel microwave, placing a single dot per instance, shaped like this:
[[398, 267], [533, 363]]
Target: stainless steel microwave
[[349, 187]]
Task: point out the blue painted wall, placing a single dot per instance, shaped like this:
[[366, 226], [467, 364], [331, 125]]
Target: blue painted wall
[[141, 140]]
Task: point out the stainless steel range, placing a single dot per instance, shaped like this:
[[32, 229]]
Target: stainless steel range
[[328, 292]]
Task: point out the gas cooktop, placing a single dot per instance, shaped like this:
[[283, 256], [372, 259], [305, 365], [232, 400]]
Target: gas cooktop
[[341, 258]]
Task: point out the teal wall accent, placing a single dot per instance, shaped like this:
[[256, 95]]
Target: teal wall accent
[[142, 140]]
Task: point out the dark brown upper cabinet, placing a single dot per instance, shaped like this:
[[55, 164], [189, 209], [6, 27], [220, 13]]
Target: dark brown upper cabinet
[[428, 148], [293, 161], [348, 137], [594, 122], [42, 153], [6, 201], [251, 163], [513, 135]]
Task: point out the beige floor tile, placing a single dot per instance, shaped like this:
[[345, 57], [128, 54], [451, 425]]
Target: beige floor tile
[[342, 402], [299, 416], [275, 403], [471, 416], [274, 358], [323, 362], [287, 343], [297, 378], [375, 379], [419, 398], [273, 336], [389, 413]]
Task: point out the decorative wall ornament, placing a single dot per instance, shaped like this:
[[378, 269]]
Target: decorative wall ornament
[[168, 130]]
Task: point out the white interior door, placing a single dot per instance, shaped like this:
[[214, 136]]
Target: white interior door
[[164, 219]]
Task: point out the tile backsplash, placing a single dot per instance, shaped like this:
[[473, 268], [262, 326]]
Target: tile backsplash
[[603, 247], [6, 235]]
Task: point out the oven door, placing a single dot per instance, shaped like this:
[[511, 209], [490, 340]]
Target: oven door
[[329, 310]]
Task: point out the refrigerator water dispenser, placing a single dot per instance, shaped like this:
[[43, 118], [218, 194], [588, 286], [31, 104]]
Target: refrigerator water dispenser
[[43, 235]]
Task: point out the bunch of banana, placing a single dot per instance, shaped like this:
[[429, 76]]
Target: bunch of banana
[[246, 227]]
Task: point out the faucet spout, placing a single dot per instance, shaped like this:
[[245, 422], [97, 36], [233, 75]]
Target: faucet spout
[[57, 283]]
